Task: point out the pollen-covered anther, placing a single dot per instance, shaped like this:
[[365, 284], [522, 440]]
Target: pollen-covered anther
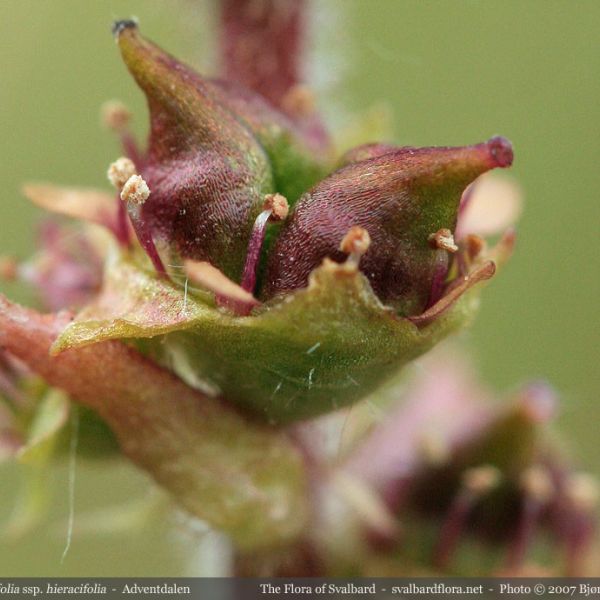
[[583, 490], [443, 240], [9, 268], [277, 205], [537, 484], [355, 243], [120, 171], [115, 115], [481, 480], [135, 190]]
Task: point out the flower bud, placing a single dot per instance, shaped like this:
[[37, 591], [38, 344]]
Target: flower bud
[[207, 172], [214, 151], [400, 198]]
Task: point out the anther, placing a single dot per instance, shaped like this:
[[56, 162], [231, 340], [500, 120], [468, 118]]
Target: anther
[[442, 240], [135, 190], [277, 205], [120, 171], [537, 484], [583, 491], [134, 193], [275, 208], [481, 480], [355, 243], [115, 115]]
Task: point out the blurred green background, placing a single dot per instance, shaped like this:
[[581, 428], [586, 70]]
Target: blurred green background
[[452, 73]]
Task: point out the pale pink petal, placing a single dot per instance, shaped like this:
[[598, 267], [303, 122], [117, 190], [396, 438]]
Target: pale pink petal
[[87, 204], [490, 205]]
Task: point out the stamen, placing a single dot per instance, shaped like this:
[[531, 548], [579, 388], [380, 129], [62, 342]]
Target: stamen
[[116, 117], [443, 240], [476, 483], [355, 243], [537, 484], [133, 194], [118, 173], [481, 480], [135, 191], [583, 493], [275, 208], [453, 292], [538, 490]]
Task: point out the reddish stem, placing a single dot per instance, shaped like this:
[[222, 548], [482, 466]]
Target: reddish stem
[[261, 44], [528, 520], [452, 528]]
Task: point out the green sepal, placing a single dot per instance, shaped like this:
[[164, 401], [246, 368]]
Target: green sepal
[[321, 348]]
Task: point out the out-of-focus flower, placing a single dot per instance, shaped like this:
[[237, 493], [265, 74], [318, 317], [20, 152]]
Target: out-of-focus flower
[[67, 270], [477, 486]]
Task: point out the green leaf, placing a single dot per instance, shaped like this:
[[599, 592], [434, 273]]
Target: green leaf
[[34, 490], [48, 422]]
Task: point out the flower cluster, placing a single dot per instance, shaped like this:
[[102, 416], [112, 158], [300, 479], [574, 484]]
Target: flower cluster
[[244, 278]]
